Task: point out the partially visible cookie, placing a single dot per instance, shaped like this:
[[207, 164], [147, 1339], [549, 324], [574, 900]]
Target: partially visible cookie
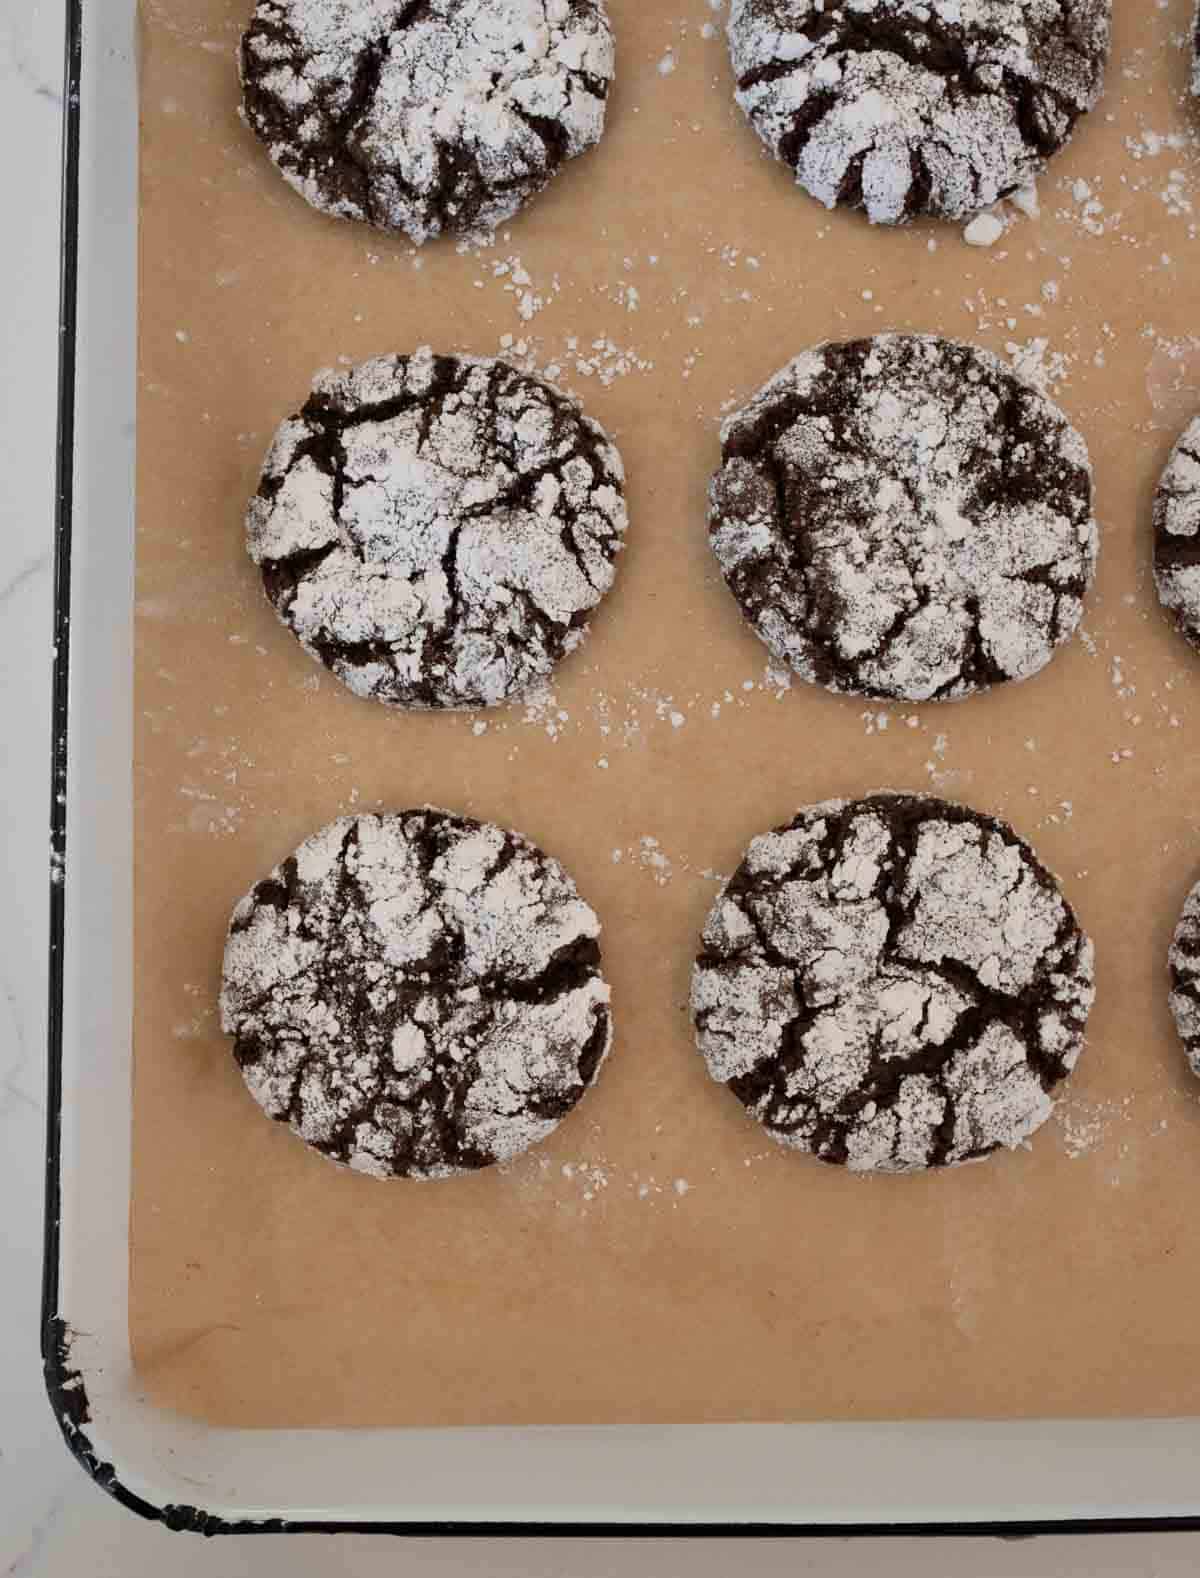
[[903, 518], [907, 107], [436, 530], [1177, 534], [416, 994], [1183, 961], [892, 984], [430, 115]]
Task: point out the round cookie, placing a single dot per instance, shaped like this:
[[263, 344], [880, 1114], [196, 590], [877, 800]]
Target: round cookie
[[436, 530], [426, 116], [907, 107], [1183, 961], [1177, 534], [417, 994], [903, 518], [892, 984]]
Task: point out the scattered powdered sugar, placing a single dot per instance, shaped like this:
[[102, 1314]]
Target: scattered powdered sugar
[[578, 1186], [603, 359], [651, 856], [416, 994], [1035, 363], [528, 298], [1089, 212], [984, 230], [1086, 1125], [1175, 186], [893, 983], [211, 813], [1173, 376], [199, 1023], [620, 718], [1152, 144], [648, 854], [592, 1177]]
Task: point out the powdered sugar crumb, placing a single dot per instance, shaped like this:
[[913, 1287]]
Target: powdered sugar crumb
[[984, 230]]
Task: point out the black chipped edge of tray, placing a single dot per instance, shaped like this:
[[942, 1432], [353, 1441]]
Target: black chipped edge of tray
[[64, 1383]]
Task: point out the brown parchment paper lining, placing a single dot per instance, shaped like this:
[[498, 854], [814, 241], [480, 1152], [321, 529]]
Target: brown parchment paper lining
[[657, 1259]]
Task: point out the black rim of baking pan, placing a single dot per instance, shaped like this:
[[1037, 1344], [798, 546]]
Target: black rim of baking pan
[[64, 1383]]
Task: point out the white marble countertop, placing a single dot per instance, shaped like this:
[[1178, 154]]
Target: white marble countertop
[[53, 1522]]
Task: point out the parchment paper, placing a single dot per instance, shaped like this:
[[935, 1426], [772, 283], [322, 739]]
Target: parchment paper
[[658, 1259]]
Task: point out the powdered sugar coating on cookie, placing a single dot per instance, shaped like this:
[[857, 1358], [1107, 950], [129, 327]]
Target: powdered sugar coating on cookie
[[437, 530], [1177, 534], [903, 518], [892, 984], [425, 115], [1183, 961], [416, 994], [906, 107]]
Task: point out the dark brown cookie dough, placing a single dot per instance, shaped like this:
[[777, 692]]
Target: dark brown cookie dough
[[892, 984], [425, 115], [907, 107], [436, 530], [1177, 534], [1183, 962], [416, 994], [903, 518]]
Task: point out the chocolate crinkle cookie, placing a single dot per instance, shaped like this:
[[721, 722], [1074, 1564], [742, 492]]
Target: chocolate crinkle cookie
[[1183, 961], [417, 994], [436, 530], [892, 984], [1177, 534], [907, 107], [425, 115], [903, 518]]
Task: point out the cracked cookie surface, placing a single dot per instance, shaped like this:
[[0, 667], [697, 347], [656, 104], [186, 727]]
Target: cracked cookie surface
[[425, 115], [902, 518], [1177, 534], [907, 107], [417, 994], [892, 984], [1183, 962], [436, 530]]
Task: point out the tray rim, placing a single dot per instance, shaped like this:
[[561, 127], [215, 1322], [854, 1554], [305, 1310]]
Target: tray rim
[[68, 1372]]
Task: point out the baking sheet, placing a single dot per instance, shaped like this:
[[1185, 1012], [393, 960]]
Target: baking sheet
[[657, 1259]]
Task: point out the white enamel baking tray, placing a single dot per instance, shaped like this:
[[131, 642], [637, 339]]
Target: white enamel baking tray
[[838, 1478]]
